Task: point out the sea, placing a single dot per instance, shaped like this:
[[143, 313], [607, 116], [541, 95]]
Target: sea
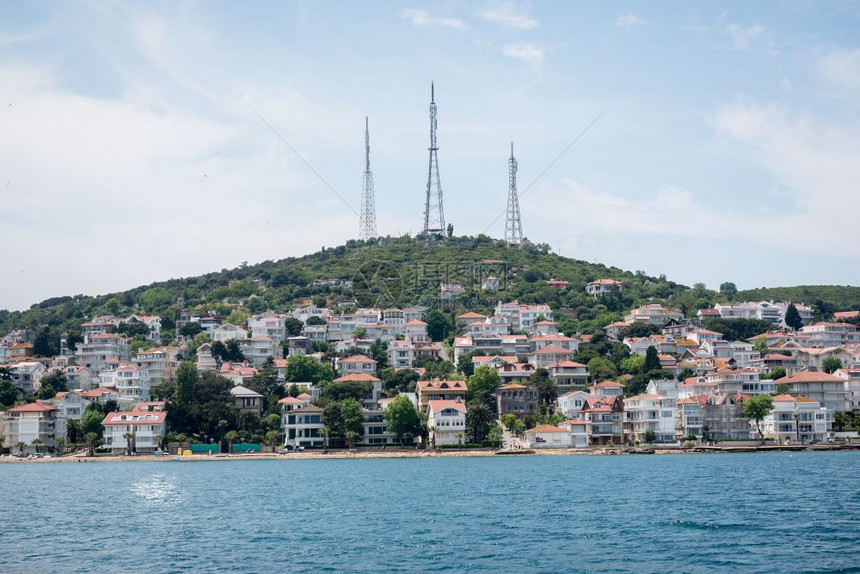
[[749, 512]]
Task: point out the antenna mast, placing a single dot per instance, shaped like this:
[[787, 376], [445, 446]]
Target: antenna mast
[[434, 215], [513, 223], [367, 215]]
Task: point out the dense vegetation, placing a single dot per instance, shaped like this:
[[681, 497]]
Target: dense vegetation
[[401, 271]]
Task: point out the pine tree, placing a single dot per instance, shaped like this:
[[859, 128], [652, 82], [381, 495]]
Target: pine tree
[[792, 317]]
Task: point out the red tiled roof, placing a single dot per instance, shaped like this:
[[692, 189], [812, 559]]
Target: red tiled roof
[[438, 405], [361, 377], [546, 429], [31, 408], [809, 377]]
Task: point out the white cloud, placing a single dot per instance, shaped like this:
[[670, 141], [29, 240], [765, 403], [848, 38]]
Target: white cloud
[[422, 19], [528, 53], [842, 69], [508, 14], [743, 36], [630, 20]]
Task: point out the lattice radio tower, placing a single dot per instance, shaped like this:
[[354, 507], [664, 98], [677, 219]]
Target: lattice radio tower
[[513, 223], [367, 215], [434, 215]]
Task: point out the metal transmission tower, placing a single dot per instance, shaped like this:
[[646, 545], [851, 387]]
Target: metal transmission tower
[[513, 223], [434, 215], [367, 216]]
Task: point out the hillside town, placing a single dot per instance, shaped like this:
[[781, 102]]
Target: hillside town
[[320, 377]]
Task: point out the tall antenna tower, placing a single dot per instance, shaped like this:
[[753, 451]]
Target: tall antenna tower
[[367, 216], [513, 223], [434, 215]]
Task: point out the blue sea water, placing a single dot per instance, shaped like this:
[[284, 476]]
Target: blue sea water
[[767, 512]]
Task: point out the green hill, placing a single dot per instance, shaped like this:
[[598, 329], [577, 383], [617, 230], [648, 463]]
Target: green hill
[[389, 272]]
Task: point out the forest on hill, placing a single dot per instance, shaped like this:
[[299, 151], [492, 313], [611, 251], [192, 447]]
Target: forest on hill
[[401, 272]]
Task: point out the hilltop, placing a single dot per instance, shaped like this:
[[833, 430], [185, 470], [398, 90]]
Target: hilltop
[[400, 271]]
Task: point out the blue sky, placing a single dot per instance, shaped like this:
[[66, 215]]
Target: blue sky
[[131, 152]]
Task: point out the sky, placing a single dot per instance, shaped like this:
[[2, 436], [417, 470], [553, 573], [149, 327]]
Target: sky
[[707, 141]]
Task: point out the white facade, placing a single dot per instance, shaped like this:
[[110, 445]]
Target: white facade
[[227, 332], [795, 419], [548, 436], [147, 428], [650, 412], [269, 324], [132, 384], [448, 420]]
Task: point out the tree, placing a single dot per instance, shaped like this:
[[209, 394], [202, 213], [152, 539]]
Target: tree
[[782, 389], [186, 378], [37, 444], [728, 289], [314, 320], [399, 380], [633, 364], [190, 329], [402, 418], [792, 317], [650, 436], [59, 445], [545, 386], [465, 364], [353, 420], [306, 369], [761, 346], [830, 364], [439, 325], [273, 437], [91, 421], [8, 394], [686, 373], [332, 417], [20, 445], [482, 386], [128, 438], [777, 373], [652, 360], [73, 431], [91, 439], [509, 420], [293, 326], [756, 408], [601, 369], [479, 418], [495, 436]]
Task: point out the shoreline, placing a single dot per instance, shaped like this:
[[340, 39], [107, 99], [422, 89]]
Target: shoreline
[[452, 453]]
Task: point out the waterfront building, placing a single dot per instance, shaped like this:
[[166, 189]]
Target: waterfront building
[[519, 400], [26, 423], [548, 436], [654, 413], [147, 429], [798, 419], [447, 421]]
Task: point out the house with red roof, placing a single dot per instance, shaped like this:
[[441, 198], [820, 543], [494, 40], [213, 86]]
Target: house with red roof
[[439, 389], [547, 436], [356, 364], [447, 420], [604, 420], [601, 287], [827, 390], [147, 428], [796, 419], [26, 423]]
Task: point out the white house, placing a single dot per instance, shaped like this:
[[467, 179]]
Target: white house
[[578, 430], [227, 332], [447, 419], [132, 384], [356, 364], [247, 400], [570, 404], [603, 287], [27, 375], [548, 436], [259, 349], [400, 353], [795, 419], [30, 422], [269, 324], [146, 427], [650, 412], [301, 423]]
